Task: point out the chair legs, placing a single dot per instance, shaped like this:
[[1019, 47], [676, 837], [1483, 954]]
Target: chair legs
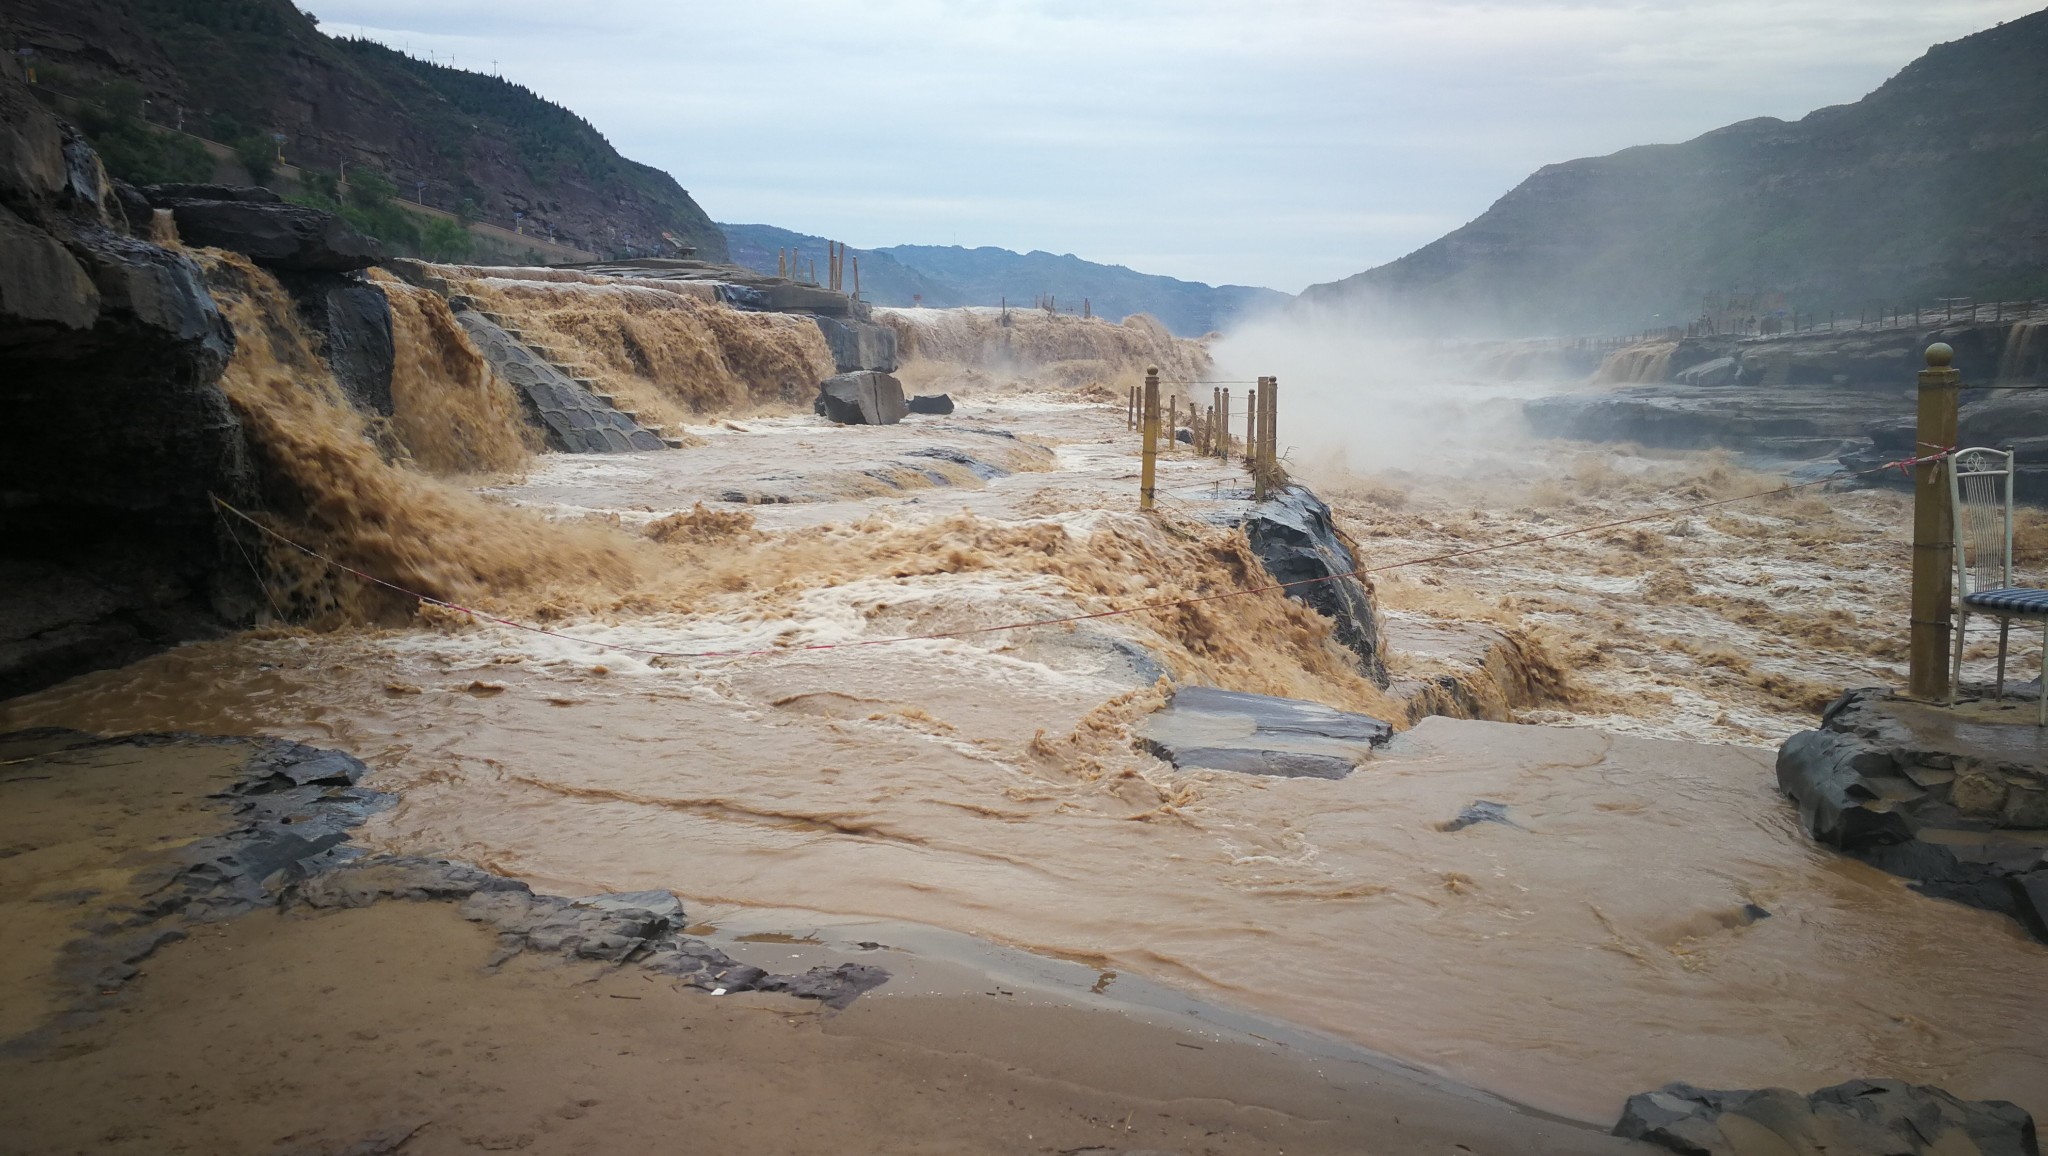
[[1955, 676], [2004, 631]]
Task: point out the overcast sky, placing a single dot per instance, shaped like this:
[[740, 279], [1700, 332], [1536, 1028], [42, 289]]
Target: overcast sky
[[1267, 142]]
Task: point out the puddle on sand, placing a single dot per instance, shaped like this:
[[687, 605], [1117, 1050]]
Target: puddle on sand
[[1597, 944]]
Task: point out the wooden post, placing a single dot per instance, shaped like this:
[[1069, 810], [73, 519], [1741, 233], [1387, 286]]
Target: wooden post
[[1269, 429], [1131, 408], [1251, 424], [1223, 416], [856, 277], [1172, 422], [1150, 468], [1933, 530]]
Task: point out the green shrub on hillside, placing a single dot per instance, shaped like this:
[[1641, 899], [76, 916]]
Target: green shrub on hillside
[[131, 148], [258, 154], [370, 203]]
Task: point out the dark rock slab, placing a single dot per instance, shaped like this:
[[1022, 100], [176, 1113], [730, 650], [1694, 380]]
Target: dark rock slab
[[641, 928], [1865, 1117], [292, 809], [986, 471], [41, 284], [1294, 537], [861, 399], [1222, 730], [275, 235], [294, 806], [353, 319], [859, 345], [1956, 804], [1483, 811], [931, 403], [166, 195]]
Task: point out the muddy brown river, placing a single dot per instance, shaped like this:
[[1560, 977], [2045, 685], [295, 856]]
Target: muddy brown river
[[1650, 911]]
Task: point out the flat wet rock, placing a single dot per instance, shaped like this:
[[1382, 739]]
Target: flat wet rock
[[1255, 734], [1954, 799], [639, 928], [285, 845], [1877, 1117]]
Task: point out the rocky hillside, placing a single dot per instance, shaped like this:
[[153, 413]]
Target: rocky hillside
[[1934, 185], [239, 71], [951, 275]]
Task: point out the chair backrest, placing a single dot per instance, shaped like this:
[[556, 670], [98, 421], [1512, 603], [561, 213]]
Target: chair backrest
[[1980, 486]]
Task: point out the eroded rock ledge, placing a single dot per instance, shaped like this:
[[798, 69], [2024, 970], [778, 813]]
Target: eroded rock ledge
[[1869, 1116], [1954, 802]]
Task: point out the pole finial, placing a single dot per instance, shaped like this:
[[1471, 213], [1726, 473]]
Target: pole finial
[[1939, 355]]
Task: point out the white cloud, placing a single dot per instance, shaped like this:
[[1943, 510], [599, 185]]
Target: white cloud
[[1278, 143]]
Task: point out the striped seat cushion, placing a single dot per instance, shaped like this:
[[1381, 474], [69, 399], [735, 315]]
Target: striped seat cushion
[[2009, 600]]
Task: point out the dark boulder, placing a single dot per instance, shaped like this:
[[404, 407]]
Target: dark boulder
[[861, 399], [859, 344], [1222, 730], [43, 289], [275, 235], [1293, 535], [940, 404], [1864, 1117], [1958, 806]]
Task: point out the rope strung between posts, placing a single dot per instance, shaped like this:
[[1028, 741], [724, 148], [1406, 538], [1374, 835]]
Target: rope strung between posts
[[1167, 604]]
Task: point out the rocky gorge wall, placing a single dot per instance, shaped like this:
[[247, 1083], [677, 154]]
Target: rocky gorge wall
[[148, 376], [111, 352]]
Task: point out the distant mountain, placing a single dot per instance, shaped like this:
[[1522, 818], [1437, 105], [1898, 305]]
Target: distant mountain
[[1934, 185], [245, 71], [951, 275], [883, 279]]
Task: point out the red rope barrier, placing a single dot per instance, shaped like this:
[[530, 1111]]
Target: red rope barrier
[[1169, 604]]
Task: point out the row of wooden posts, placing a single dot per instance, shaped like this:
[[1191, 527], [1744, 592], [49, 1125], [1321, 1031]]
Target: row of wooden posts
[[1209, 429], [791, 265]]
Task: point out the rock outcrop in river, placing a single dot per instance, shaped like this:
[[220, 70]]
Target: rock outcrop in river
[[1861, 1116], [1958, 805]]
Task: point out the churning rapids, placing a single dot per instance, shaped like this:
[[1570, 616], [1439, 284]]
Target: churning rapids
[[1605, 941]]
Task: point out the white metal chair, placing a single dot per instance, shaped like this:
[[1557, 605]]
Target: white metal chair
[[1980, 488]]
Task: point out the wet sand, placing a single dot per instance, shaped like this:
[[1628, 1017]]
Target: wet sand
[[380, 1030]]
